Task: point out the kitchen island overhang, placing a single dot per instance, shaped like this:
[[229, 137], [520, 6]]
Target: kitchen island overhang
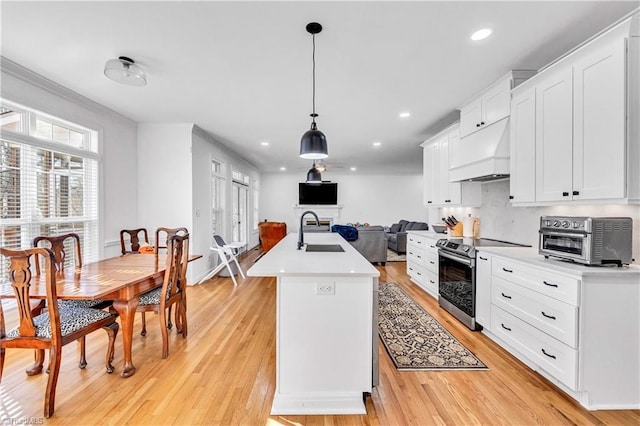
[[326, 326]]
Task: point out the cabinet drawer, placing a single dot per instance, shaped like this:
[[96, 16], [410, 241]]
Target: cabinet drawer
[[431, 262], [558, 319], [431, 284], [556, 358], [560, 287], [417, 272], [417, 240], [416, 254]]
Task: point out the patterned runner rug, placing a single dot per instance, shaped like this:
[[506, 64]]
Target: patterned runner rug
[[414, 339]]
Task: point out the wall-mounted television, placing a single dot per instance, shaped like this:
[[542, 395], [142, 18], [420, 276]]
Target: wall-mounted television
[[325, 193]]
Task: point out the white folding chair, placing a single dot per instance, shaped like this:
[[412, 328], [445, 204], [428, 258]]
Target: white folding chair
[[226, 253]]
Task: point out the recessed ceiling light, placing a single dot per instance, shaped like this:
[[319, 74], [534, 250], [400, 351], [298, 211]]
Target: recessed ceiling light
[[264, 143], [481, 34], [377, 143], [405, 114], [283, 168], [353, 169]]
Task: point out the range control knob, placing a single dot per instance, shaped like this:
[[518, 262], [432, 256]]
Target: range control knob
[[565, 224], [576, 225], [556, 223], [465, 248]]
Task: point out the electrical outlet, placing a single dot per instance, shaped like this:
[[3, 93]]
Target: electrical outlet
[[326, 289]]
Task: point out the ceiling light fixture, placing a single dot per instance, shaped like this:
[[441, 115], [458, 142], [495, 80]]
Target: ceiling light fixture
[[377, 144], [481, 34], [124, 70], [321, 167], [313, 144], [313, 175]]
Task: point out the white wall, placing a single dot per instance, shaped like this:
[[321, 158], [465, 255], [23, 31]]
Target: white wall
[[118, 180], [204, 150], [498, 219], [375, 199]]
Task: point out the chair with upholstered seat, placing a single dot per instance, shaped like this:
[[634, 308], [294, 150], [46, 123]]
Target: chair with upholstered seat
[[161, 242], [172, 292], [59, 245], [134, 240], [54, 328]]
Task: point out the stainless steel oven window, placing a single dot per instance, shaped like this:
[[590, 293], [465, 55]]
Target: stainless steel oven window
[[457, 282]]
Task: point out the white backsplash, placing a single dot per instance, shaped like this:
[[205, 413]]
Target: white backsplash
[[500, 220]]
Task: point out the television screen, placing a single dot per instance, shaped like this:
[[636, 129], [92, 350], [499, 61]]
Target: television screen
[[325, 193]]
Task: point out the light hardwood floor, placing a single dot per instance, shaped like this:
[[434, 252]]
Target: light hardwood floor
[[224, 374]]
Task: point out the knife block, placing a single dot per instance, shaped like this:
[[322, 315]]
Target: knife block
[[456, 231]]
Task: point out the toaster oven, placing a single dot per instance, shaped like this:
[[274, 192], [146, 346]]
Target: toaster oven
[[587, 240]]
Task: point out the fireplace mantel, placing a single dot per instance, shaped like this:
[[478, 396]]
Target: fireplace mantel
[[327, 212]]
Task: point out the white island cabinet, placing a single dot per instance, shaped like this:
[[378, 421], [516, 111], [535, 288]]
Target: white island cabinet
[[326, 326]]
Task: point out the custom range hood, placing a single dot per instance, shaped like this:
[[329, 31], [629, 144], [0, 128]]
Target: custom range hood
[[481, 156]]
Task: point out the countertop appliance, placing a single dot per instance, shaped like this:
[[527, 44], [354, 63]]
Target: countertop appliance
[[586, 240], [457, 276]]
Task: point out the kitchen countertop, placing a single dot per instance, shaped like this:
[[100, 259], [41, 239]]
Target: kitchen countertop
[[530, 256], [285, 260]]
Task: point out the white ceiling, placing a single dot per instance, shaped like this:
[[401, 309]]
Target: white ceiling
[[242, 70]]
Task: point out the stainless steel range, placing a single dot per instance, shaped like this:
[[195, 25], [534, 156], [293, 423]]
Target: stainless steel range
[[457, 276]]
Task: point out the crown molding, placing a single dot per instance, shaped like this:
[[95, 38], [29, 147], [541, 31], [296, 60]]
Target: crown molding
[[16, 70]]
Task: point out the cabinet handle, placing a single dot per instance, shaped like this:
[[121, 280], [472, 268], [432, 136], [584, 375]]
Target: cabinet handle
[[505, 296], [432, 247], [547, 316], [482, 123], [419, 242], [432, 281], [550, 284], [432, 262], [565, 194], [478, 125], [447, 201], [511, 197], [411, 269], [429, 202], [547, 354], [576, 192], [482, 258], [507, 270], [419, 273], [419, 257], [505, 327]]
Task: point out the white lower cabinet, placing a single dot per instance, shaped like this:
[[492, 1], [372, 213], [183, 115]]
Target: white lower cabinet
[[577, 326], [422, 260]]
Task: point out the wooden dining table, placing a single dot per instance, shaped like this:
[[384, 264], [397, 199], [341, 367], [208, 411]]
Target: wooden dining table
[[121, 279]]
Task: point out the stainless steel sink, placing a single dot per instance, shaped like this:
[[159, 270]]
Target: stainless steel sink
[[324, 247]]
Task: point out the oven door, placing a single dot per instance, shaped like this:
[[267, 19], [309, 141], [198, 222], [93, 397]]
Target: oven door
[[567, 245], [457, 282]]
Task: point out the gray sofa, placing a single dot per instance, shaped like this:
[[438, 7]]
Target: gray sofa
[[397, 235], [372, 244]]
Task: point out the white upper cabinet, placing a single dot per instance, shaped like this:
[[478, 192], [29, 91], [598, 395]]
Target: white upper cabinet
[[581, 114], [554, 132], [523, 154], [438, 191], [599, 123], [491, 105]]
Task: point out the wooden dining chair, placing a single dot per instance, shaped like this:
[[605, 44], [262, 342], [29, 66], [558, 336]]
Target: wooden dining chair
[[54, 328], [172, 292], [134, 239], [164, 234], [57, 245], [162, 237]]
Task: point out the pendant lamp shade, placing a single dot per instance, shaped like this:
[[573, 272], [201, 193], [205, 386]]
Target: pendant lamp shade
[[313, 175], [124, 70], [313, 144]]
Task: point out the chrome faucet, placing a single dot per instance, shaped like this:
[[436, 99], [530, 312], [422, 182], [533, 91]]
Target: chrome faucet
[[300, 232]]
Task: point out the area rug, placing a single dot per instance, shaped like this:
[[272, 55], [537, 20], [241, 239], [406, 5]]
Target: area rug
[[392, 256], [414, 339]]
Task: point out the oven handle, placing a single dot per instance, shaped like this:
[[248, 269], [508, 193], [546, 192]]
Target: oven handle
[[466, 261], [563, 234]]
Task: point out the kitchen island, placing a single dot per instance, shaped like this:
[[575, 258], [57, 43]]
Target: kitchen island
[[326, 326]]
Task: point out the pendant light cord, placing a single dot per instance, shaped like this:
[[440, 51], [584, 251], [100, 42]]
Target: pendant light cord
[[313, 96]]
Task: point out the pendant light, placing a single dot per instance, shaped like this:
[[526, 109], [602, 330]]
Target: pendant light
[[313, 144], [313, 175]]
